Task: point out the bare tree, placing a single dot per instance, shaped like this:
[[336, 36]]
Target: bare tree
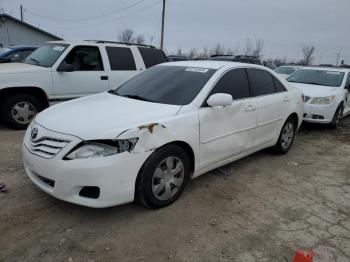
[[257, 51], [248, 47], [126, 36], [229, 51], [308, 52], [179, 51], [140, 39], [193, 53], [218, 50]]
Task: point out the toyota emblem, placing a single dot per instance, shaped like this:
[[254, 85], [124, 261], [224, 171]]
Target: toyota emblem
[[34, 133]]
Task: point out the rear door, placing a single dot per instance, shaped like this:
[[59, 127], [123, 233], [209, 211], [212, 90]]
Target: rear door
[[88, 76], [122, 65], [227, 131], [271, 99]]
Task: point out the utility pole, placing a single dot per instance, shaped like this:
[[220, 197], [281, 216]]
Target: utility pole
[[337, 59], [21, 13], [162, 33]]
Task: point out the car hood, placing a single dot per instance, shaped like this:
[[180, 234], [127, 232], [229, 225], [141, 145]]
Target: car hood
[[102, 116], [15, 68], [315, 90]]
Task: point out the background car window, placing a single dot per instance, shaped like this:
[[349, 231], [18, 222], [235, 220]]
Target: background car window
[[152, 56], [85, 58], [317, 77], [278, 85], [235, 82], [261, 82], [120, 58]]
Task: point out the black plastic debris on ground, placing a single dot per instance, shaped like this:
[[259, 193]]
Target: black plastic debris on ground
[[3, 188]]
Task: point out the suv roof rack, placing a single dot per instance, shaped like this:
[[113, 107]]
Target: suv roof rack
[[123, 43]]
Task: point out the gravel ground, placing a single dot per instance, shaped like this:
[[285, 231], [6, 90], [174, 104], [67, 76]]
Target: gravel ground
[[260, 208]]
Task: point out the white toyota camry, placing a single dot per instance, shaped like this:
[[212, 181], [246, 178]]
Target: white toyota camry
[[145, 139]]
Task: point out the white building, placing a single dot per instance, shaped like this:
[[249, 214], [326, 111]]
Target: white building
[[16, 32]]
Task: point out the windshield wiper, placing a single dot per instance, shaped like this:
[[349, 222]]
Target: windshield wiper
[[135, 97], [34, 60]]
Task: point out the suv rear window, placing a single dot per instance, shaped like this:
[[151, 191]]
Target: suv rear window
[[120, 58], [152, 56]]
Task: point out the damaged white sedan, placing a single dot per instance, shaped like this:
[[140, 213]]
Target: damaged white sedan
[[145, 139]]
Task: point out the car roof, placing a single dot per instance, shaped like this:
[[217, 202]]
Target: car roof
[[336, 69], [103, 42], [211, 64]]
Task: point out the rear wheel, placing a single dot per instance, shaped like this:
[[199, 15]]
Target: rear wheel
[[286, 138], [18, 110], [338, 115], [163, 177]]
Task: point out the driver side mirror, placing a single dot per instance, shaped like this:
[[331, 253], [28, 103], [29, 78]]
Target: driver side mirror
[[220, 99], [64, 67]]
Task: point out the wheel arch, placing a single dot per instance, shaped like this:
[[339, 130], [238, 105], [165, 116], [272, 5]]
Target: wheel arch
[[295, 117], [33, 90]]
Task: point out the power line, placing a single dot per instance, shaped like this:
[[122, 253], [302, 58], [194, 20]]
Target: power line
[[86, 18], [115, 19]]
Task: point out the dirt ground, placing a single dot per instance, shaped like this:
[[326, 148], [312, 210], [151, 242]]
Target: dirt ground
[[261, 208]]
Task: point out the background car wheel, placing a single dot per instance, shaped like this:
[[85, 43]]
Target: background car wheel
[[163, 177], [338, 115], [286, 138], [18, 110]]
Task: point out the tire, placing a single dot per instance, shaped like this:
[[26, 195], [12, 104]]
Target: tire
[[11, 110], [283, 146], [338, 115], [156, 186]]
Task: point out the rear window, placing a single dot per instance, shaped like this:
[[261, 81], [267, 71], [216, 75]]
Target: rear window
[[120, 58], [152, 56]]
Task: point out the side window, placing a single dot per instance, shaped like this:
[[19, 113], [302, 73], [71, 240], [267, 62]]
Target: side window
[[152, 56], [348, 82], [261, 82], [235, 83], [120, 58], [279, 86], [85, 58]]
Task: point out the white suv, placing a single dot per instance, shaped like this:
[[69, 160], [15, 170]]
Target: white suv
[[327, 93], [63, 70]]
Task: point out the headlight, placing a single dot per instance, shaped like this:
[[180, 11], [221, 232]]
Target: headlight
[[322, 100], [96, 149]]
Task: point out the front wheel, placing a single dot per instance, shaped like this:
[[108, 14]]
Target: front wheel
[[18, 110], [286, 138], [338, 115], [163, 177]]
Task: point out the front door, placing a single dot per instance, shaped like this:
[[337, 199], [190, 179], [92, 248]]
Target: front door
[[88, 75], [227, 131]]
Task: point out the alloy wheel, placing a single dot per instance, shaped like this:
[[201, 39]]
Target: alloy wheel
[[287, 135], [23, 112]]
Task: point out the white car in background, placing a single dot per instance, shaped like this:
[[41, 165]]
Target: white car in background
[[146, 138], [286, 71], [326, 93]]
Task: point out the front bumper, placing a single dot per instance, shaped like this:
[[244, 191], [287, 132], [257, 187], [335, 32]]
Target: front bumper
[[115, 176], [322, 114]]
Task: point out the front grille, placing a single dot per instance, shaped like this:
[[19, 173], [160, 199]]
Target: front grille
[[47, 147], [306, 99]]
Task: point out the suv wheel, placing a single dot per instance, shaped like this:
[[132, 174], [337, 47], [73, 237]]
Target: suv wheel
[[19, 110], [163, 177], [338, 115], [286, 138]]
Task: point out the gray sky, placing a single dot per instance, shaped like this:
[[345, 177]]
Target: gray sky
[[285, 26]]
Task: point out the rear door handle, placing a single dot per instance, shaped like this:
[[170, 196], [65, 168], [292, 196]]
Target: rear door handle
[[104, 77], [250, 108], [286, 99]]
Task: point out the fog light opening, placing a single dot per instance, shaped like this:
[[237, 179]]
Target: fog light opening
[[90, 192]]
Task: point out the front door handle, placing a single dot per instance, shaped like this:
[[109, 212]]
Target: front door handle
[[250, 108], [104, 77], [286, 99]]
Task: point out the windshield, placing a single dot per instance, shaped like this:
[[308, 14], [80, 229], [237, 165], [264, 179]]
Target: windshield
[[285, 70], [46, 55], [175, 85], [317, 77]]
